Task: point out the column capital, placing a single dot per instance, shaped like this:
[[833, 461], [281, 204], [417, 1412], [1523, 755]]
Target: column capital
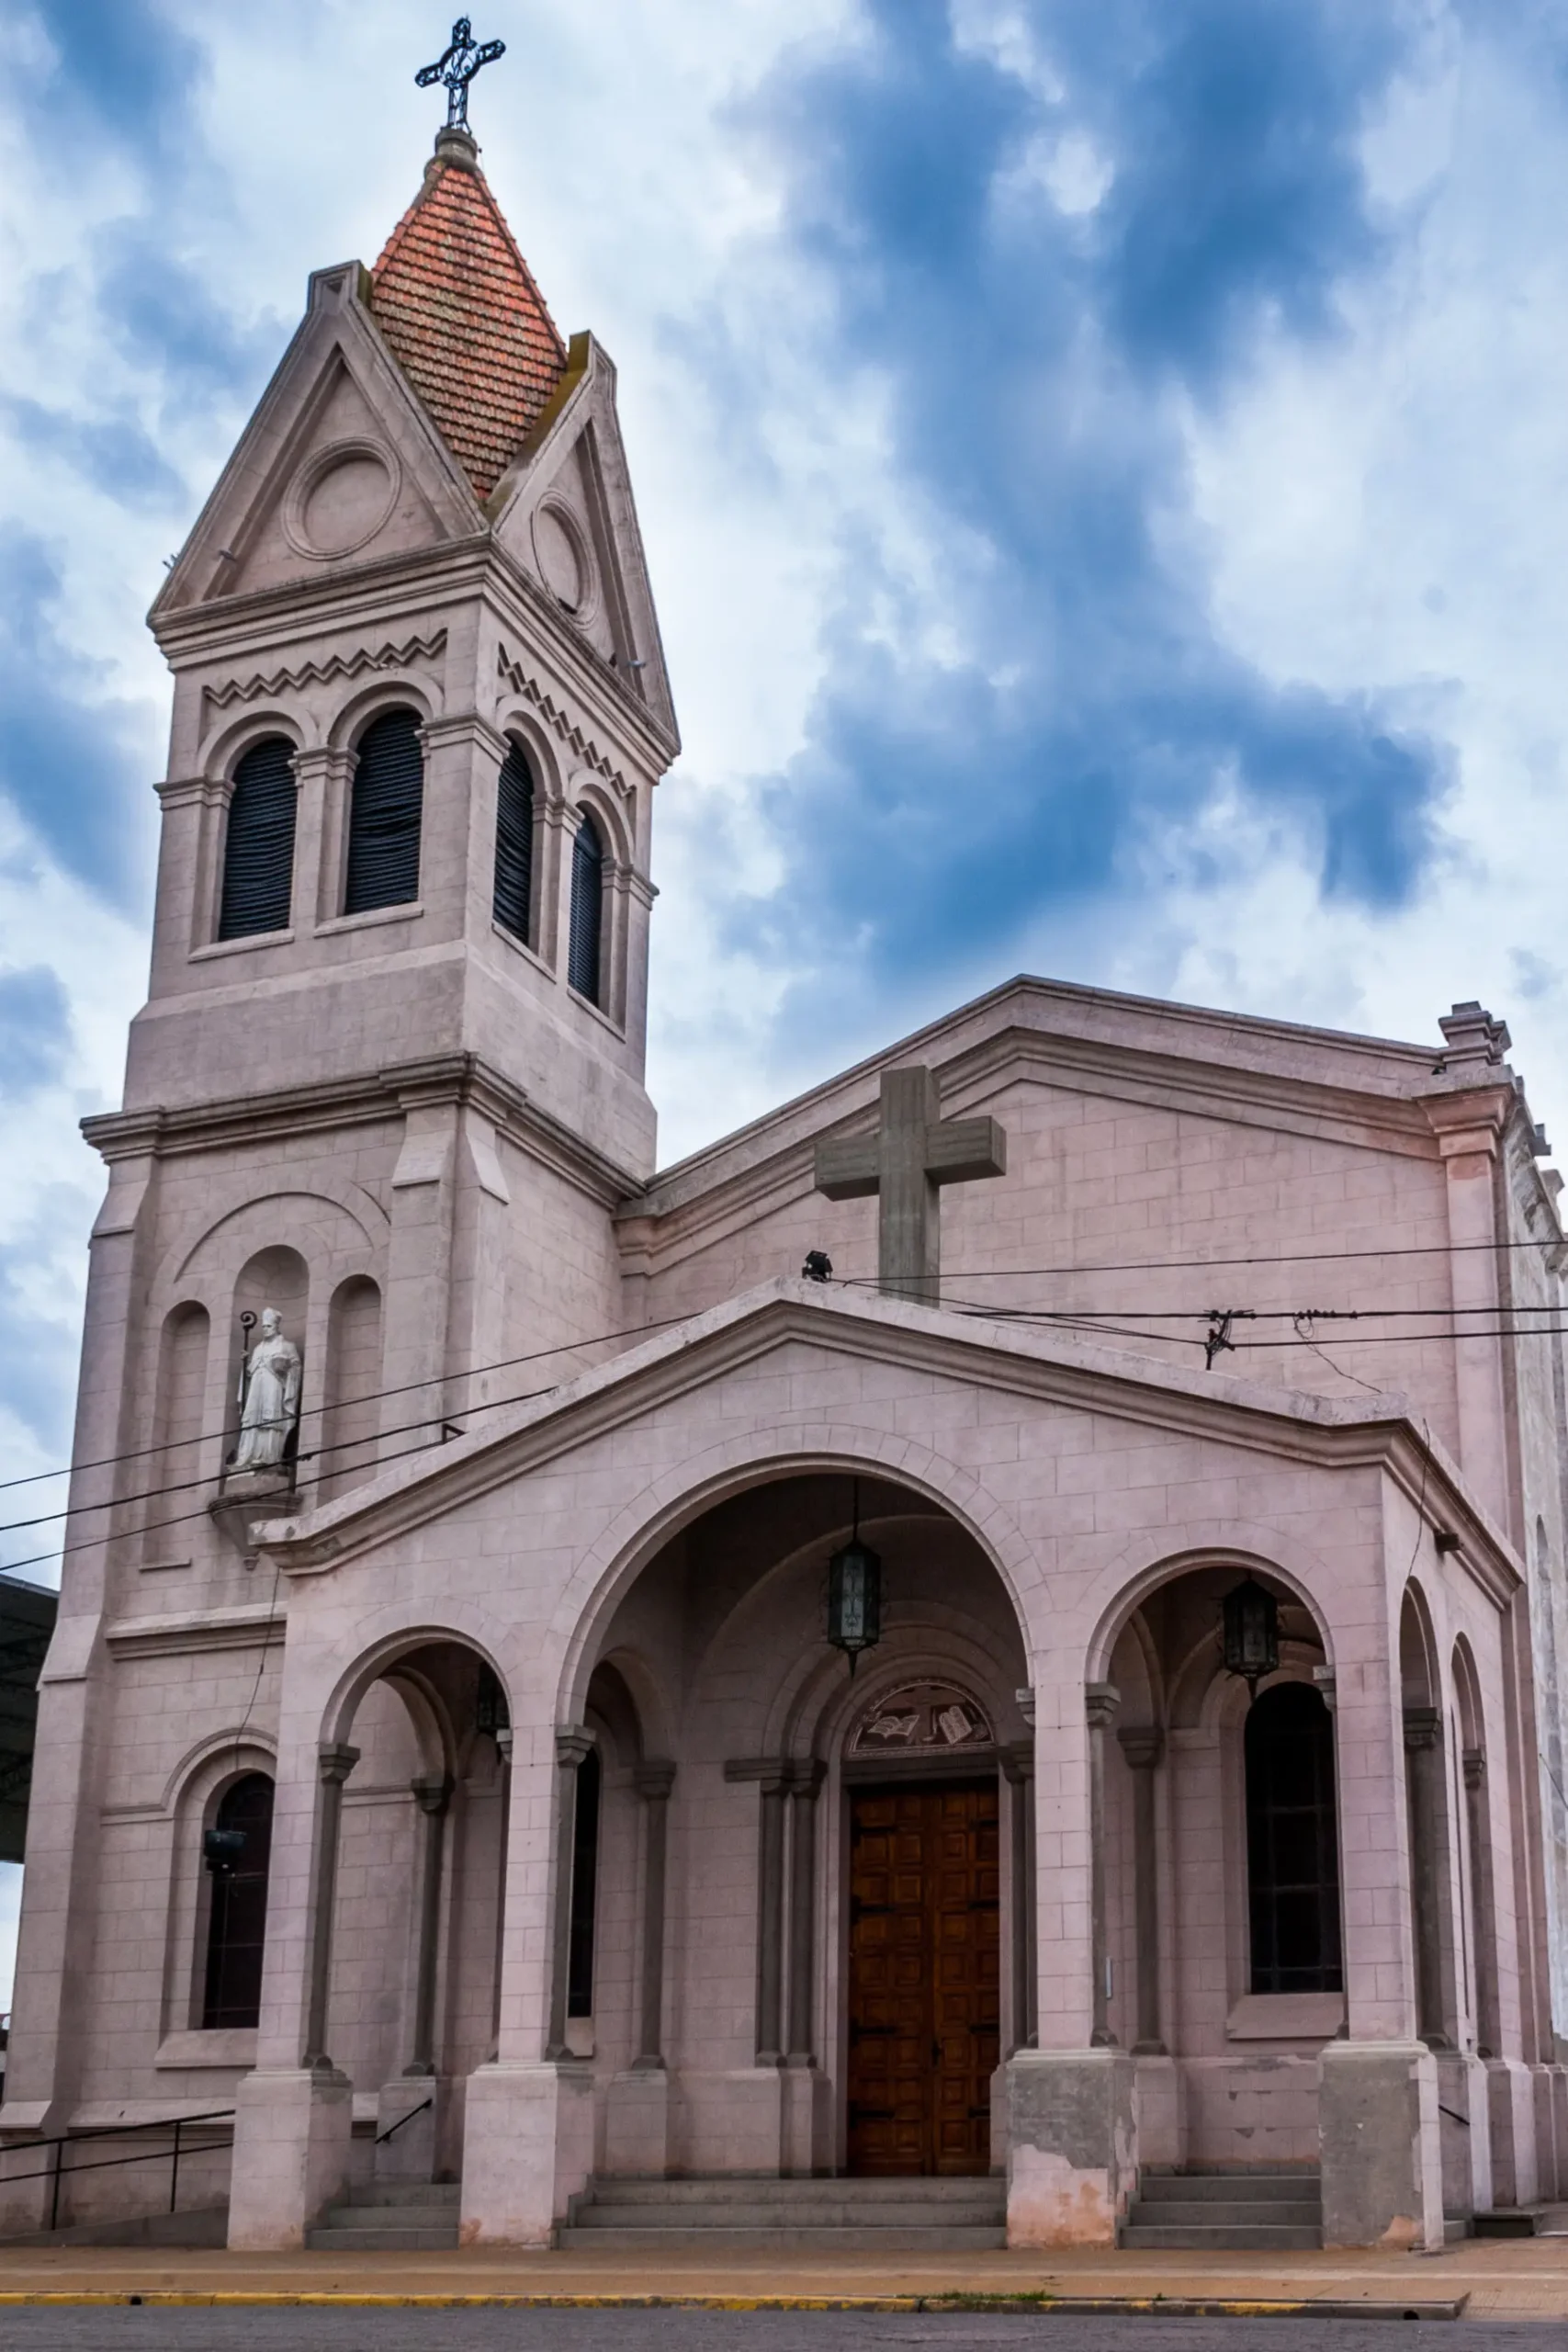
[[1101, 1702], [1143, 1745], [432, 1791], [654, 1779], [1474, 1761], [806, 1775], [574, 1743], [1017, 1761], [335, 1762], [1422, 1729]]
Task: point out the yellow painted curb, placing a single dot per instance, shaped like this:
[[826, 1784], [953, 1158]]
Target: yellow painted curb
[[1041, 2301]]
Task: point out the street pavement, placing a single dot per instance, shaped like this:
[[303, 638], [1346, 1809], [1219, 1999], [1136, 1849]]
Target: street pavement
[[125, 2329]]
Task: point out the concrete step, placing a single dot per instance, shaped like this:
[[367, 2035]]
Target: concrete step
[[1209, 2214], [383, 2237], [961, 2192], [920, 2213], [1263, 2237], [1228, 2187], [408, 2192], [851, 2237]]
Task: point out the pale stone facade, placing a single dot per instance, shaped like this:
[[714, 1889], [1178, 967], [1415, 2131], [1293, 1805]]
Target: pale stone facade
[[577, 1442]]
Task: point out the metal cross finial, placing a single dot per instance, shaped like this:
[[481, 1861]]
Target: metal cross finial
[[456, 66]]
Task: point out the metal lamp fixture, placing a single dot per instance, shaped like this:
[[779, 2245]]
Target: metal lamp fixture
[[854, 1594], [1251, 1635], [221, 1849]]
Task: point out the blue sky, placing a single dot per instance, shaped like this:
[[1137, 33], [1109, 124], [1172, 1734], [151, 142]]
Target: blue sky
[[1103, 465]]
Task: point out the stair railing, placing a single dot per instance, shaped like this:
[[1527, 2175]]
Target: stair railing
[[57, 2169]]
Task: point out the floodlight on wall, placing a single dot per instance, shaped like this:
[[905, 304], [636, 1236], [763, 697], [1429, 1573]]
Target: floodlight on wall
[[854, 1594], [1251, 1632]]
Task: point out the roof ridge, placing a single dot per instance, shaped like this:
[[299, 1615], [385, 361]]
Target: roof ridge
[[462, 316]]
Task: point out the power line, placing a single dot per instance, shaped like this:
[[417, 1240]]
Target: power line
[[372, 1396]]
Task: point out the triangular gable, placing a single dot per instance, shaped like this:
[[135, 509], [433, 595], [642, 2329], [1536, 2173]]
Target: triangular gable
[[1055, 1368], [339, 466], [564, 510]]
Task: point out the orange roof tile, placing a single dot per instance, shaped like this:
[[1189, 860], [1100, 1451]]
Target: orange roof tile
[[465, 321]]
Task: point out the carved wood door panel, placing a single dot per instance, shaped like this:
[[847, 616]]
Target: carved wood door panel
[[924, 1978]]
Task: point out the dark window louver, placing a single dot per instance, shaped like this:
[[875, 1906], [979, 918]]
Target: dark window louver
[[587, 910], [384, 814], [236, 1931], [1293, 1858], [258, 850], [515, 845]]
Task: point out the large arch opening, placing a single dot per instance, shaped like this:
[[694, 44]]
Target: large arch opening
[[814, 1888], [1217, 1898]]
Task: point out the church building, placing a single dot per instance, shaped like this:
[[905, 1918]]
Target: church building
[[980, 1661]]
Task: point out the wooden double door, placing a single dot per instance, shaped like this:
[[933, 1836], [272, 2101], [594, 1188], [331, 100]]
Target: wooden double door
[[924, 1976]]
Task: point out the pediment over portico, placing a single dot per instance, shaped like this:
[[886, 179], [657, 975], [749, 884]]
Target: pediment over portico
[[789, 1347]]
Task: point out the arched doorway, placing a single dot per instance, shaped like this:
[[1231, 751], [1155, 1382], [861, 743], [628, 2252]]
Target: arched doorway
[[830, 1871]]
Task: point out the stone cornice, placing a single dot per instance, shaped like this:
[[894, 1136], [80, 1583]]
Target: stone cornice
[[363, 1100], [1318, 1432], [412, 587], [196, 1630]]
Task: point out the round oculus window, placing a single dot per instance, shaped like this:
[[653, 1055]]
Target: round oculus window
[[340, 498]]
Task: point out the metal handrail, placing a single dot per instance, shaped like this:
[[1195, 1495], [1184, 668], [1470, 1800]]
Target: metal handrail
[[61, 2140], [409, 2117]]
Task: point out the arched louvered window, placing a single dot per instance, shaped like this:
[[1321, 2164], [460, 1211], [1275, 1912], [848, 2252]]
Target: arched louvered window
[[587, 910], [384, 814], [515, 845], [259, 852], [239, 1857]]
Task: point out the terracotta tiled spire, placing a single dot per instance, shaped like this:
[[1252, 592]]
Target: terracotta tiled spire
[[468, 325]]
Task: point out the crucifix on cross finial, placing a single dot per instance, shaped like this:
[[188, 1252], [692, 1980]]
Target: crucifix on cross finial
[[914, 1150], [456, 66]]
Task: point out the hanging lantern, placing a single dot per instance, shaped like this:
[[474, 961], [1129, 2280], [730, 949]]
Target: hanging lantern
[[1251, 1632], [855, 1595], [221, 1849]]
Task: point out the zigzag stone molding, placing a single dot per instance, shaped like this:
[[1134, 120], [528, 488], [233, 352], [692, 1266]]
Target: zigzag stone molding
[[514, 674], [318, 673]]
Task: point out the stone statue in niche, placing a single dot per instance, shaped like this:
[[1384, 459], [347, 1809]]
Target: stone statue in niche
[[269, 1397]]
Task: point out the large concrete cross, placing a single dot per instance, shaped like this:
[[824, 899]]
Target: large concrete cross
[[914, 1150]]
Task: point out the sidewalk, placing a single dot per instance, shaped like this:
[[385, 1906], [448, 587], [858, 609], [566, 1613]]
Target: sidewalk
[[1520, 2280]]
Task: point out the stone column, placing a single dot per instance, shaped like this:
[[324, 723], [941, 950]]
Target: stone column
[[1101, 1701], [805, 1782], [1144, 1750], [320, 776], [573, 1742], [335, 1764], [1018, 1770], [1428, 1875], [503, 1738], [1488, 2021], [433, 1794], [654, 1782], [770, 1918]]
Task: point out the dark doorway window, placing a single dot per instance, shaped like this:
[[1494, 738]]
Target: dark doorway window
[[587, 910], [585, 1890], [1292, 1855], [515, 845], [384, 815], [258, 850], [236, 1931]]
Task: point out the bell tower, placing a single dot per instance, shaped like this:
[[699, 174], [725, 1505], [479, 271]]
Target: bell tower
[[389, 1080]]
